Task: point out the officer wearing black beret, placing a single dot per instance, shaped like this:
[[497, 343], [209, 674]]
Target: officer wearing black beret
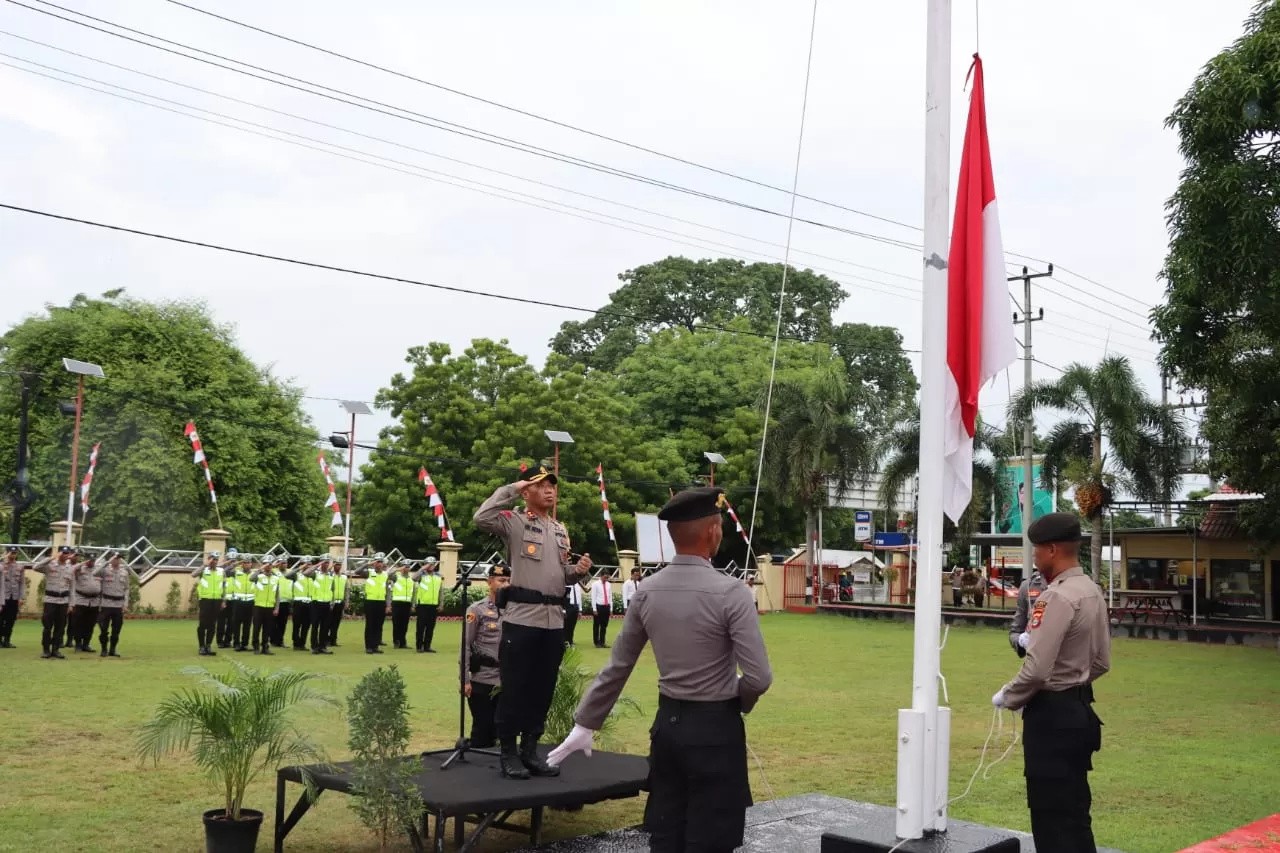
[[481, 676], [704, 628], [1069, 648]]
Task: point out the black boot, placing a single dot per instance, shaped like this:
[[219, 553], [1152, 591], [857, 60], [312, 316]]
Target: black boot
[[112, 652], [103, 653], [529, 756], [510, 764], [45, 654]]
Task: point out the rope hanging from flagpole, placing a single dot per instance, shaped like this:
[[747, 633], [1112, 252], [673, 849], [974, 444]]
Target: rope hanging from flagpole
[[436, 503], [200, 459], [332, 500], [786, 266]]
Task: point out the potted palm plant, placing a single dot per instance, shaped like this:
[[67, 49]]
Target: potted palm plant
[[235, 725]]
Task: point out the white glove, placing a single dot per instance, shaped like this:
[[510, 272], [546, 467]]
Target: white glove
[[1024, 640], [998, 699], [579, 739]]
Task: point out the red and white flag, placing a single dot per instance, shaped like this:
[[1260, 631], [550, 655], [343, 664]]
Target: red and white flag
[[736, 522], [604, 503], [190, 432], [88, 478], [980, 340], [333, 495], [436, 503]]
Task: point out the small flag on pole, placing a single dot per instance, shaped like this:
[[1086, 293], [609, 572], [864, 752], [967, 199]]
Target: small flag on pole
[[736, 522], [198, 447], [980, 341], [436, 503], [88, 478], [333, 495], [604, 503]]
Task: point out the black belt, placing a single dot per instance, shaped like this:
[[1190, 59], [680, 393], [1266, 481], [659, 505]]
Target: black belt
[[48, 594], [667, 703], [113, 597], [479, 661], [1079, 693], [524, 595]]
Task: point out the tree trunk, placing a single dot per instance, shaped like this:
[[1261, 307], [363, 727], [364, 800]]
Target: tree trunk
[[811, 566]]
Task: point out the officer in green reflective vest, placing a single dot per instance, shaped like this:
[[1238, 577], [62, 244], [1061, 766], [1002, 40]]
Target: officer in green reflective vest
[[242, 612], [281, 620], [428, 600], [266, 601], [339, 604], [376, 606], [301, 603], [227, 567], [209, 585], [401, 605], [321, 605]]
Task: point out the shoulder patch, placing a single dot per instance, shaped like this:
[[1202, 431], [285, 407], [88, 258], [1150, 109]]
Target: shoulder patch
[[471, 617], [1034, 593], [1037, 613], [506, 513]]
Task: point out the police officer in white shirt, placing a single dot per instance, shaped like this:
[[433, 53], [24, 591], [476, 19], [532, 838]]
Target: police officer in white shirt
[[572, 610], [602, 608], [629, 589]]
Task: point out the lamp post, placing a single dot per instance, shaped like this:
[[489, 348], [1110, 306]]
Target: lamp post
[[81, 369], [353, 408], [557, 437], [715, 459]]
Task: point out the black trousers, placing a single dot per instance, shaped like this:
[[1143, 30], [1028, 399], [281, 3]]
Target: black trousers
[[224, 623], [280, 623], [698, 786], [484, 708], [301, 622], [8, 618], [335, 621], [320, 624], [1061, 732], [570, 622], [86, 620], [400, 613], [957, 597], [264, 625], [426, 624], [375, 613], [54, 621], [977, 599], [110, 619], [209, 614], [600, 625], [529, 663], [241, 621]]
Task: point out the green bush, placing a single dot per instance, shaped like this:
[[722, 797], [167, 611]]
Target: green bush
[[173, 599], [355, 597], [193, 600], [573, 682], [135, 592], [450, 604], [40, 591], [386, 799]]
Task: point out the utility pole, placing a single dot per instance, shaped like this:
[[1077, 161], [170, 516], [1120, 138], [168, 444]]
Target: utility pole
[[22, 485], [1165, 381], [1028, 428]]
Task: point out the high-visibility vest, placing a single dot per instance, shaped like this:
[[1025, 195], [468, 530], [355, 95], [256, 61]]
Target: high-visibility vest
[[322, 588], [210, 585], [286, 589], [264, 595], [402, 589], [375, 586], [302, 589], [339, 587], [241, 588], [429, 589]]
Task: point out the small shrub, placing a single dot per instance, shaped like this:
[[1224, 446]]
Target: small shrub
[[355, 598], [386, 799], [173, 600], [135, 592], [570, 686], [193, 600]]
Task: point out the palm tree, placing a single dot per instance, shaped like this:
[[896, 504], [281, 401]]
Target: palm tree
[[899, 451], [1115, 437], [812, 441]]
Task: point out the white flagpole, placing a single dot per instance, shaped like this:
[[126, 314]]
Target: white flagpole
[[923, 731]]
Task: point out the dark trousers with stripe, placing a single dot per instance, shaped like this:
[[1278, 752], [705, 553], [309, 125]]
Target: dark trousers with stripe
[[400, 613], [426, 625], [1060, 734], [241, 621], [86, 620], [529, 663], [224, 624]]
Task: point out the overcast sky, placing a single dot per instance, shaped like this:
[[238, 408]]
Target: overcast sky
[[1077, 95]]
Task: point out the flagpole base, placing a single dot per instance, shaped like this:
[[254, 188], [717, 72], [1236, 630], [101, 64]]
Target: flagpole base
[[876, 835]]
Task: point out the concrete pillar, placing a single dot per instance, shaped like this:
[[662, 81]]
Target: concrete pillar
[[448, 563], [215, 539], [627, 560], [336, 544], [769, 584], [60, 537]]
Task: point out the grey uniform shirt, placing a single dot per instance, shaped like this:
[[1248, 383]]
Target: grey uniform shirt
[[484, 633], [704, 628], [1028, 592], [538, 550], [115, 584], [13, 581], [87, 590], [58, 579]]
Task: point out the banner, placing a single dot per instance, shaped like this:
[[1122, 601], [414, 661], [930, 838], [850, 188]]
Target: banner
[[1009, 496]]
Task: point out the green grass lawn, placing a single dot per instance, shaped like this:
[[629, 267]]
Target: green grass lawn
[[1191, 744]]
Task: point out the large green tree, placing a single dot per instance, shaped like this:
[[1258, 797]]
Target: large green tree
[[1114, 436], [165, 363], [1220, 323]]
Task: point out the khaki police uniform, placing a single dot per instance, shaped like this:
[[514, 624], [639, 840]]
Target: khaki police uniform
[[704, 628], [480, 670], [13, 591], [115, 598], [1070, 648], [1028, 594], [59, 576], [86, 598]]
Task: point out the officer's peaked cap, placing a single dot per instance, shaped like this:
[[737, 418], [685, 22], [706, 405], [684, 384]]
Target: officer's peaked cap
[[213, 554], [379, 557], [12, 549], [692, 504], [1054, 527], [538, 473]]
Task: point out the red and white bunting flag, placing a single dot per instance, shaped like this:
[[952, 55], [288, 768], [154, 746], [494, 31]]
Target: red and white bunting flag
[[436, 503], [190, 432], [980, 342], [332, 500], [604, 503], [88, 478], [736, 522]]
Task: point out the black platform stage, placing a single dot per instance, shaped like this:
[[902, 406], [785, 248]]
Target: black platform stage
[[473, 792]]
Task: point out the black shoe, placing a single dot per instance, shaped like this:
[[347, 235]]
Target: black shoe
[[325, 652], [44, 655], [59, 655], [422, 651], [256, 652], [378, 652], [512, 767], [112, 654], [431, 651], [368, 651], [268, 652], [536, 765], [103, 653]]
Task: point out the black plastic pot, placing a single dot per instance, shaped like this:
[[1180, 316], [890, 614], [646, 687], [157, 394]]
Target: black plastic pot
[[231, 836]]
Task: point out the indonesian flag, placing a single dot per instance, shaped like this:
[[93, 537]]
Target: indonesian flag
[[604, 503], [190, 432], [88, 479], [332, 501], [980, 340], [436, 503]]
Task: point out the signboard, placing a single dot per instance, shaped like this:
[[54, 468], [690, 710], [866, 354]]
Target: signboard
[[653, 540], [890, 540], [862, 526], [1009, 497], [862, 576]]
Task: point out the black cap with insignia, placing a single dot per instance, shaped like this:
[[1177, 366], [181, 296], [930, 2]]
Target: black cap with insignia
[[499, 571], [66, 549], [1054, 527], [692, 504], [537, 476]]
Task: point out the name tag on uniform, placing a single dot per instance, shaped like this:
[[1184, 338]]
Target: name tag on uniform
[[491, 625], [1037, 613], [1034, 593]]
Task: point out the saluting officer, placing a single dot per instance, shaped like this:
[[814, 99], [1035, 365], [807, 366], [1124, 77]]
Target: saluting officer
[[704, 628], [427, 598], [377, 606], [301, 602], [480, 661], [321, 603], [281, 620], [58, 577], [211, 589], [227, 568], [533, 621], [1028, 593], [242, 613], [266, 606], [1069, 648], [402, 587], [115, 597], [339, 604], [86, 598], [13, 591]]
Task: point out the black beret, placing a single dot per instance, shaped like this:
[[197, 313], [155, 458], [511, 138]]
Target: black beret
[[499, 571], [12, 549], [66, 549], [537, 476], [692, 504], [1055, 527]]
